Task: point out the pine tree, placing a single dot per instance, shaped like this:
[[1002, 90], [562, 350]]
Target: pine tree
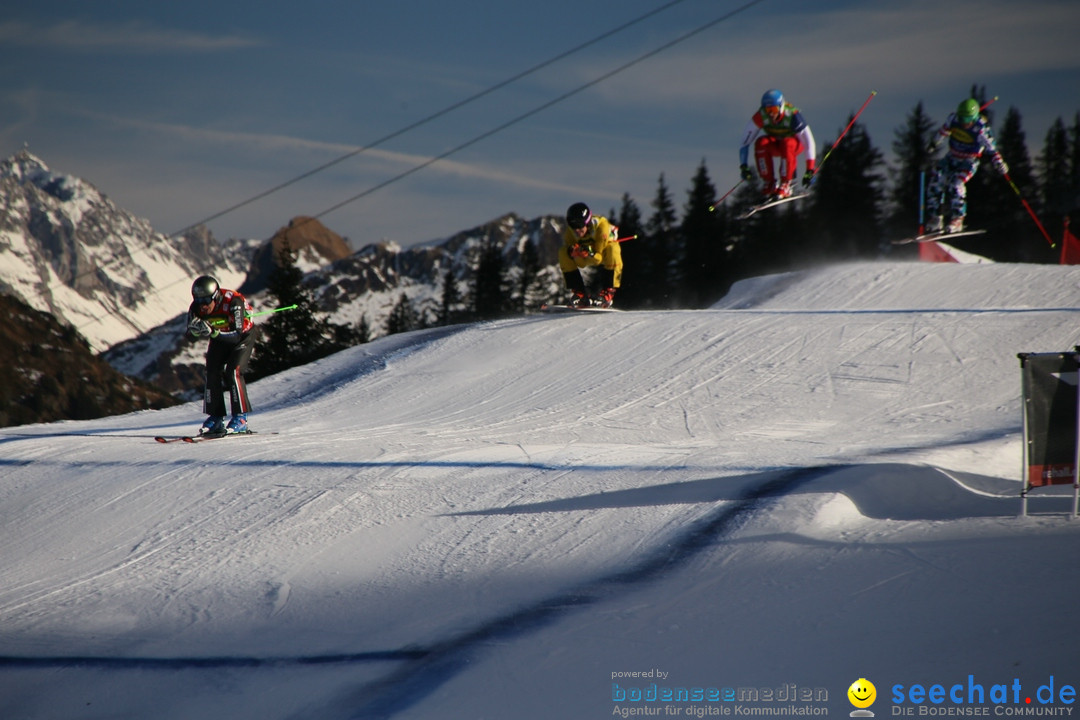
[[402, 317], [911, 149], [703, 256], [629, 217], [844, 219], [1010, 234], [1055, 175], [636, 272], [529, 293], [363, 331], [661, 245], [293, 337], [1074, 172], [754, 242], [344, 336], [450, 306], [489, 295]]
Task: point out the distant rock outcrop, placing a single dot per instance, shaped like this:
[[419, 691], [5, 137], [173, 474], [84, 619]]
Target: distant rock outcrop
[[313, 243]]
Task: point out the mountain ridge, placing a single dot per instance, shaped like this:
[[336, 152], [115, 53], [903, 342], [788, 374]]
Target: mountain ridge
[[72, 252]]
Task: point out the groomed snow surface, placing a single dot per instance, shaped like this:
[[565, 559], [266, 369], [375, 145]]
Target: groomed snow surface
[[814, 482]]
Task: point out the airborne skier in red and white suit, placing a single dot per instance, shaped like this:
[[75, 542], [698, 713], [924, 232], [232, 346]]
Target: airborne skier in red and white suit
[[777, 130], [224, 316]]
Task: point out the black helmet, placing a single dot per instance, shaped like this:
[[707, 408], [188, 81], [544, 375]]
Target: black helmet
[[205, 289], [578, 215]]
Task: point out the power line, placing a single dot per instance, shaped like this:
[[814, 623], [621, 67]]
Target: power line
[[540, 108], [434, 116]]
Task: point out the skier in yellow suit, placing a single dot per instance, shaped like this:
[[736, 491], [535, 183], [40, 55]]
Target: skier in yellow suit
[[590, 241]]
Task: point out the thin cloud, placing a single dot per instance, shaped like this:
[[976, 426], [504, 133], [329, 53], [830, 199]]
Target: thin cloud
[[78, 36], [262, 143]]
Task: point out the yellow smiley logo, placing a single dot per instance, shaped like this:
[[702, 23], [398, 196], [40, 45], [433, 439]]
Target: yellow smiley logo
[[862, 693]]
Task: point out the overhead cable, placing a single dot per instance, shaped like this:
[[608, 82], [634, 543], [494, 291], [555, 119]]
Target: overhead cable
[[540, 108], [434, 116]]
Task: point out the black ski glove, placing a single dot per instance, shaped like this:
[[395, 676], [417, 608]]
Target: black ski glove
[[198, 327]]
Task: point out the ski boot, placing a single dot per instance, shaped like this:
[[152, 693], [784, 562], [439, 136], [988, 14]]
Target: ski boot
[[579, 300], [605, 298], [933, 225], [956, 224], [214, 425], [783, 190], [238, 424]]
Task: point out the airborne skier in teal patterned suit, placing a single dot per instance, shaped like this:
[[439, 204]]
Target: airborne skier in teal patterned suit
[[969, 136]]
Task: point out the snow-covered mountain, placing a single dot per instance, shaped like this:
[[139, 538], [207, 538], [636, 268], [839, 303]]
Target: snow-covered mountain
[[573, 516], [67, 249]]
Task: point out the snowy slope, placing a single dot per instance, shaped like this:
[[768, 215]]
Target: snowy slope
[[814, 482]]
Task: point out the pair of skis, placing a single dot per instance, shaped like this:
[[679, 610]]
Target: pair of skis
[[546, 308], [755, 209], [200, 437], [920, 238], [941, 235]]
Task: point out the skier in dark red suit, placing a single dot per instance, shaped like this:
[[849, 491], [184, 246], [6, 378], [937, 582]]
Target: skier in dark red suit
[[777, 130], [224, 317]]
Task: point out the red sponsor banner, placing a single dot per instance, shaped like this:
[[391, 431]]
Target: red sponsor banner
[[932, 252], [1058, 474]]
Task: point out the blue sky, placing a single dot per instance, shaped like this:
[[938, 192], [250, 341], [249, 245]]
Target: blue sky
[[178, 111]]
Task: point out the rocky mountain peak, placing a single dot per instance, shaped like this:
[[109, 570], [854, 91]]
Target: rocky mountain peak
[[314, 244]]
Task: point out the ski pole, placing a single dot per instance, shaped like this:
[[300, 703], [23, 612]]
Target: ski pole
[[276, 310], [712, 208], [628, 237], [853, 119], [1030, 211], [222, 322]]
